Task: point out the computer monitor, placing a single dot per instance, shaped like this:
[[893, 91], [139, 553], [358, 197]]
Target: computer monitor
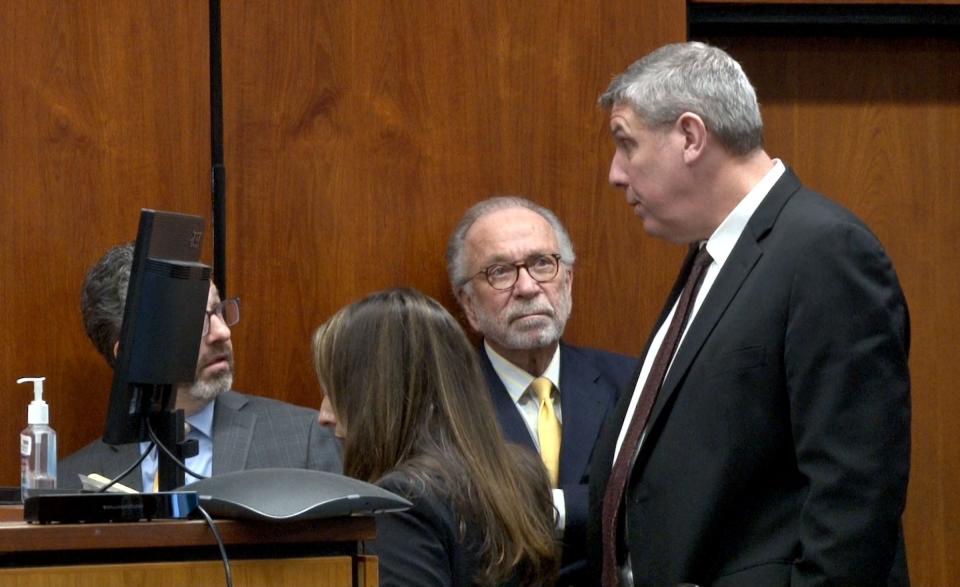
[[162, 323]]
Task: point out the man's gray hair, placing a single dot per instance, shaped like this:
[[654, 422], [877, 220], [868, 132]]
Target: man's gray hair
[[456, 262], [103, 298], [692, 77]]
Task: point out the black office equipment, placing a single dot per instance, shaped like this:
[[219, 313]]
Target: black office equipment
[[74, 508], [160, 336], [281, 494]]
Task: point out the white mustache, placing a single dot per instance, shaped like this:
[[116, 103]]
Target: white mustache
[[526, 309]]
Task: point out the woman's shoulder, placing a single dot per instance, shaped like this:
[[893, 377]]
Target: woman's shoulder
[[421, 545], [426, 493], [404, 483], [434, 508]]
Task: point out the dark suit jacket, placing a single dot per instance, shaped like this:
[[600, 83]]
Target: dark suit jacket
[[249, 432], [590, 382], [778, 448], [422, 546]]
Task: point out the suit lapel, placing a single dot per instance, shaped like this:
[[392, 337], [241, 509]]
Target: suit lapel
[[232, 433], [612, 427], [582, 410], [738, 266], [511, 422]]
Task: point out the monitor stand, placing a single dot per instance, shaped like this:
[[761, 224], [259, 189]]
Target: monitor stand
[[170, 430]]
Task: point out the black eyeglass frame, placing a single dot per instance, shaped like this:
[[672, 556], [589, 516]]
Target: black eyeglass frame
[[517, 265], [219, 310]]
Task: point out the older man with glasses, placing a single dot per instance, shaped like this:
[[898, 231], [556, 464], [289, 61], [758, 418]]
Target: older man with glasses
[[234, 431], [510, 263]]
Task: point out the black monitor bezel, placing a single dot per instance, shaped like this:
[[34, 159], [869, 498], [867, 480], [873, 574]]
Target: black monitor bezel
[[168, 242]]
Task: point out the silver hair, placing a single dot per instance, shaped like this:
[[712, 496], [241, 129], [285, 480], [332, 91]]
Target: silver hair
[[103, 297], [692, 77], [456, 262]]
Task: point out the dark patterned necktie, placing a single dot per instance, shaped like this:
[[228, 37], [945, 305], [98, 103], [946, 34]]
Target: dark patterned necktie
[[613, 497]]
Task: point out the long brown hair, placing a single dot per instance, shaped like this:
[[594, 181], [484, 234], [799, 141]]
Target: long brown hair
[[406, 385]]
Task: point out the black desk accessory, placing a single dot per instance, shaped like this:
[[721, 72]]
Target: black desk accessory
[[75, 508]]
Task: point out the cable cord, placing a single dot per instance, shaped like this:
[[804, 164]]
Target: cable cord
[[166, 451], [127, 472], [223, 550]]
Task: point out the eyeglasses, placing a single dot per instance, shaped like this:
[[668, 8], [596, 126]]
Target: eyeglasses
[[541, 268], [228, 311]]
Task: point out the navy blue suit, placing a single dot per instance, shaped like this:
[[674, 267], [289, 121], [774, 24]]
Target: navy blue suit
[[590, 384]]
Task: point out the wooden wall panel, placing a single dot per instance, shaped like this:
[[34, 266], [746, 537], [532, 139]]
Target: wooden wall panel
[[873, 122], [827, 2], [358, 133], [103, 111]]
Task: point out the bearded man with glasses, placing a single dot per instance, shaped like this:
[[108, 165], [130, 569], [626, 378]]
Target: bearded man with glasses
[[234, 431], [510, 263]]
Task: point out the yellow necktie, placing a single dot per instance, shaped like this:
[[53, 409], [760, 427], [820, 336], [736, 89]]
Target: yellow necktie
[[548, 428]]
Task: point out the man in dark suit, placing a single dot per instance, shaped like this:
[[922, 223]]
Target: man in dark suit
[[234, 431], [777, 448], [510, 263]]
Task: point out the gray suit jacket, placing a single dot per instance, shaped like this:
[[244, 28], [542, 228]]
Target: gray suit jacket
[[249, 432]]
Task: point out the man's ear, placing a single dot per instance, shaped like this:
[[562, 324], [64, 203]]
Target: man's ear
[[694, 133], [466, 302], [116, 349]]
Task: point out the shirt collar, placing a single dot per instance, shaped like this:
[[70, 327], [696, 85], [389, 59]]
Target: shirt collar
[[515, 379], [723, 239], [202, 421]]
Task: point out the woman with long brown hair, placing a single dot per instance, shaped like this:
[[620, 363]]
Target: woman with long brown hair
[[409, 400]]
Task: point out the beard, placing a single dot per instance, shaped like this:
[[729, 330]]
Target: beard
[[207, 388], [543, 326]]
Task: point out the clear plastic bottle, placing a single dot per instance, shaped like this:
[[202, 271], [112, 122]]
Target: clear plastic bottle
[[38, 444]]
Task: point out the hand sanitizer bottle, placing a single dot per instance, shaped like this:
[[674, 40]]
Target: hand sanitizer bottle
[[38, 444]]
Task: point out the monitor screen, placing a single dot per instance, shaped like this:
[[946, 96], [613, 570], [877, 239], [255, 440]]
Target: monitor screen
[[162, 322]]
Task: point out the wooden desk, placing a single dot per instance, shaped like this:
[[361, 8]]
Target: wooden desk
[[184, 552]]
